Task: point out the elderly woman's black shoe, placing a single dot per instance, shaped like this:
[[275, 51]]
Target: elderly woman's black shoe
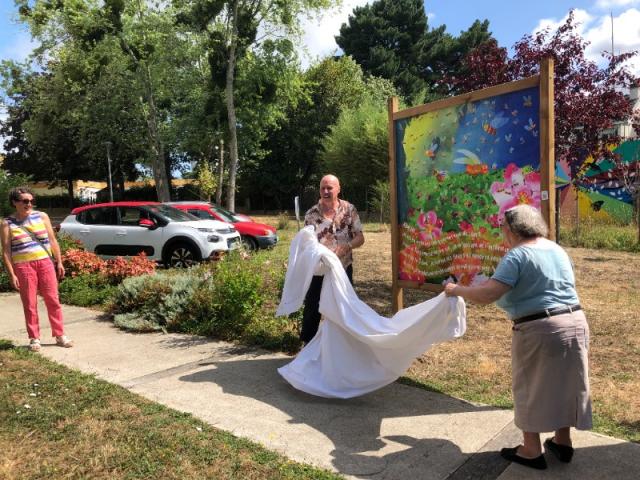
[[563, 453], [511, 454]]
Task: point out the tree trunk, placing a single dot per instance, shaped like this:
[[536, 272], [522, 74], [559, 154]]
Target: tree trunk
[[70, 192], [231, 109], [158, 161], [220, 174]]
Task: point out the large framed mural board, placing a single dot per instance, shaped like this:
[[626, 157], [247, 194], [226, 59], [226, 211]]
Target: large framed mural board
[[455, 166]]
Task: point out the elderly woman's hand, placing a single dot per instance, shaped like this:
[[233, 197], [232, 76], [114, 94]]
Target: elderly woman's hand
[[450, 289]]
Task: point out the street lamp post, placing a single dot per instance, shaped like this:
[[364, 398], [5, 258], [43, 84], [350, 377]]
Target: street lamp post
[[108, 144]]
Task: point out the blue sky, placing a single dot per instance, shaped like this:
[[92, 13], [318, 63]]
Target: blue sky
[[509, 21]]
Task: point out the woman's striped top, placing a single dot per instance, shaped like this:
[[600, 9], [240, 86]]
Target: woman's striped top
[[23, 247]]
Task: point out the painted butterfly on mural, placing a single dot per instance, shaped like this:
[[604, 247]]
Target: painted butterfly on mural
[[530, 126]]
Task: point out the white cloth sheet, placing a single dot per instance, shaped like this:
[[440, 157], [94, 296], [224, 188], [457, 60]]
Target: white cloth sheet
[[357, 351]]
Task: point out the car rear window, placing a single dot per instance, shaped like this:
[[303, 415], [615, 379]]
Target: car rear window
[[226, 215], [203, 214], [171, 213], [98, 216]]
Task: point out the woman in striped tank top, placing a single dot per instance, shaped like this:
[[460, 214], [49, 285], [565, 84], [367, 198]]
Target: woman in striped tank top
[[32, 258]]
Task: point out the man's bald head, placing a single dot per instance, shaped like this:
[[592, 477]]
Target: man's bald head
[[329, 188]]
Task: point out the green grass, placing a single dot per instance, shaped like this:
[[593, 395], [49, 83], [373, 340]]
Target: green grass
[[604, 423], [466, 389], [590, 234], [59, 423]]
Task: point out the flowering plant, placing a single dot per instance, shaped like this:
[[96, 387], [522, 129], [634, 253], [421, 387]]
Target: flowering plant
[[80, 262]]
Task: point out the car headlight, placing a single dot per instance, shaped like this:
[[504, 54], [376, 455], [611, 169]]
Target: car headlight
[[268, 233], [206, 230], [213, 238]]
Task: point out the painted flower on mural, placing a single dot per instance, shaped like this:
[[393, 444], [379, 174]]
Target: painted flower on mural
[[465, 268], [465, 226], [518, 188], [493, 220], [408, 268], [431, 226]]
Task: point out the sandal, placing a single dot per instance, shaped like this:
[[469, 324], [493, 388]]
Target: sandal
[[63, 341], [34, 345]]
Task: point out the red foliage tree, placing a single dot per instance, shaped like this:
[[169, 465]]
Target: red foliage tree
[[588, 99]]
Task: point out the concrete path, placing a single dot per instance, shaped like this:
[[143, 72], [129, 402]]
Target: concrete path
[[398, 432]]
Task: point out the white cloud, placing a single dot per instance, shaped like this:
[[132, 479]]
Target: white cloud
[[614, 4], [596, 29], [626, 37], [581, 17], [318, 39]]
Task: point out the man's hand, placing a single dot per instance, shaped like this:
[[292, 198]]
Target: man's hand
[[342, 250]]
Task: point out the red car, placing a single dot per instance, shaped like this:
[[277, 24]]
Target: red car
[[254, 235]]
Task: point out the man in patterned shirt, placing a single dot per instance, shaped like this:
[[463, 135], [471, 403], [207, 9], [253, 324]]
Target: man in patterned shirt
[[338, 228]]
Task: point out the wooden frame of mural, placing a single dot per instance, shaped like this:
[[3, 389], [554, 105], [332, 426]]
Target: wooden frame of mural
[[455, 166]]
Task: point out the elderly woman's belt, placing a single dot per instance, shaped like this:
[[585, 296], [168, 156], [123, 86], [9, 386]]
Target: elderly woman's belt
[[548, 312]]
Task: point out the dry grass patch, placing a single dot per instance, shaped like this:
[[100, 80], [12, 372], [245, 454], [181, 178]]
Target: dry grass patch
[[477, 367]]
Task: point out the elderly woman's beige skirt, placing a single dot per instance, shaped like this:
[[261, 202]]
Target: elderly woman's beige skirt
[[551, 373]]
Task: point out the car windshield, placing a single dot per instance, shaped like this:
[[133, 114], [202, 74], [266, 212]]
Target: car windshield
[[171, 214], [226, 215]]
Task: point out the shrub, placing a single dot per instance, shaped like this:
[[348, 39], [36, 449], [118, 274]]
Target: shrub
[[234, 299], [283, 221], [5, 286], [133, 322], [85, 290], [226, 302], [67, 242], [120, 268], [80, 262], [156, 300]]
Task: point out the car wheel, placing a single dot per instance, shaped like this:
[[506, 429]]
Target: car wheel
[[249, 243], [182, 255]]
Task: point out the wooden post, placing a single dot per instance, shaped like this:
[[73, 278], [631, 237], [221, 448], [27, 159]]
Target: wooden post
[[547, 146], [396, 290]]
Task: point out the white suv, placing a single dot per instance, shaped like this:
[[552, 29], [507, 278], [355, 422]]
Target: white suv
[[163, 233]]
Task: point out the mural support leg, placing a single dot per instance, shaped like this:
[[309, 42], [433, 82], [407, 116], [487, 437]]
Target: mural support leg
[[397, 297]]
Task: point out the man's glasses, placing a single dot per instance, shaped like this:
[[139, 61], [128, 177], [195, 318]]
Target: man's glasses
[[27, 201]]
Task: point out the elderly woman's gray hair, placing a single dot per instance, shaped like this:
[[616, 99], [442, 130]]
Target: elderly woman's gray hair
[[526, 222]]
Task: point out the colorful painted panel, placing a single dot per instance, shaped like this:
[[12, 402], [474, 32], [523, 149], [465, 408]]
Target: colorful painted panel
[[600, 192], [458, 170]]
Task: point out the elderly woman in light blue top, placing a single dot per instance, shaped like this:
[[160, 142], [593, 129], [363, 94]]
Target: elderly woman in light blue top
[[534, 283]]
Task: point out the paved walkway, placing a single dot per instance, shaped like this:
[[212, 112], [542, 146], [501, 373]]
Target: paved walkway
[[398, 432]]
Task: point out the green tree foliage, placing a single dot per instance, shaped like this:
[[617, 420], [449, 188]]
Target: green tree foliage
[[292, 165], [137, 40], [391, 39], [42, 116], [7, 182], [59, 119], [232, 29], [356, 150], [207, 182]]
